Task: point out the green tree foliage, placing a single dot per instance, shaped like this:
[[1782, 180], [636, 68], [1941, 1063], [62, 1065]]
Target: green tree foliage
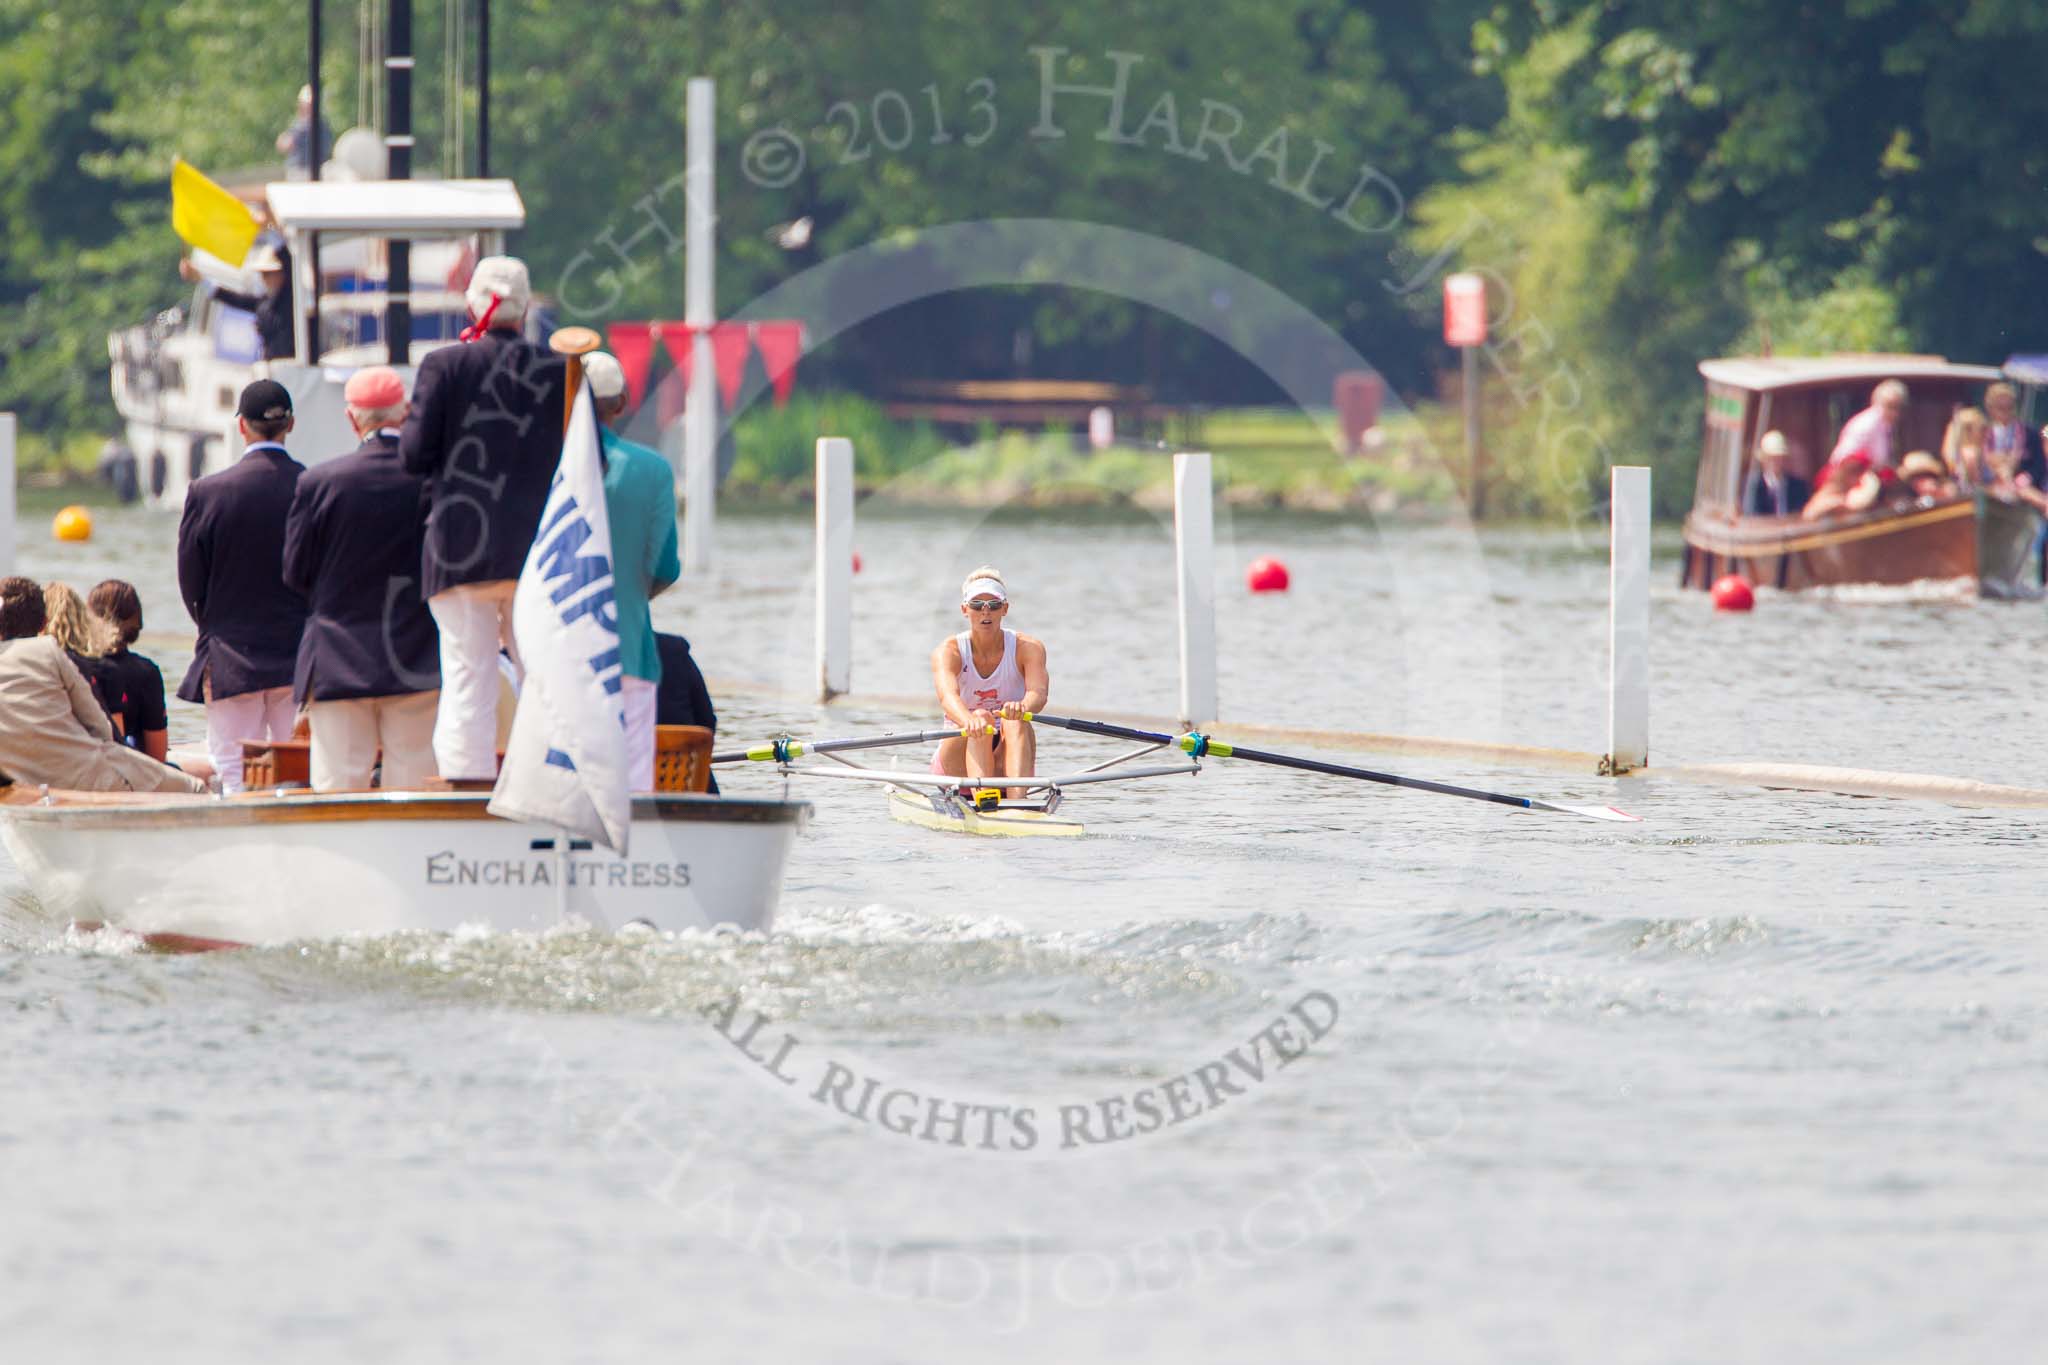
[[1647, 181], [908, 113], [1894, 142], [1595, 326], [1675, 181], [97, 98], [959, 91]]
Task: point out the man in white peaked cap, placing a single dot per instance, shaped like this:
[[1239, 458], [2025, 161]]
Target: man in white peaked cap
[[485, 432]]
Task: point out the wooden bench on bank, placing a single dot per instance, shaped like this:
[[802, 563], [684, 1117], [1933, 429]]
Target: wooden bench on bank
[[1022, 403]]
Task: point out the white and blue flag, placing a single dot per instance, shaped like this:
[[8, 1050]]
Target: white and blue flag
[[565, 763]]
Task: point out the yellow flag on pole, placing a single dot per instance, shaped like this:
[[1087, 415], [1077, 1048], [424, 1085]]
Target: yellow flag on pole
[[207, 216]]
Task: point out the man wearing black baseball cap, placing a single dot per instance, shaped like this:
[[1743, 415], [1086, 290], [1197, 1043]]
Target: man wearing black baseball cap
[[231, 575]]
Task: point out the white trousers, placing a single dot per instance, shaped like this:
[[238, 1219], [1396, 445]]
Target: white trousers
[[638, 696], [268, 714], [475, 620], [348, 734]]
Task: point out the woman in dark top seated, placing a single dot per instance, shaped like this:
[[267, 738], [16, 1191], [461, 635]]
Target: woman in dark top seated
[[136, 683], [682, 698]]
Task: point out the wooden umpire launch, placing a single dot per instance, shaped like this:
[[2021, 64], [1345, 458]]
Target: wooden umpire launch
[[1901, 538]]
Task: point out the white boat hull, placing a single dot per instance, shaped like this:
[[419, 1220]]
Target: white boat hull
[[262, 870]]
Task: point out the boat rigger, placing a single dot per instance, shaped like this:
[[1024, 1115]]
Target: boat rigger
[[949, 803]]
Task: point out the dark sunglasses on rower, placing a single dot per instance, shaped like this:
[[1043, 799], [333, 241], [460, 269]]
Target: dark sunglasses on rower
[[984, 604]]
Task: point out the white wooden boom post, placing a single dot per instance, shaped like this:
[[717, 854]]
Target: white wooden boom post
[[1194, 554], [835, 567], [6, 492], [700, 418], [1628, 621]]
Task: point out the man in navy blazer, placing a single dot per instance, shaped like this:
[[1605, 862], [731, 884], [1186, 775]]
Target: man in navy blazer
[[1771, 490], [486, 433], [369, 669], [230, 574]]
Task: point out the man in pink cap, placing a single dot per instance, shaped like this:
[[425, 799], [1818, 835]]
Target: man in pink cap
[[369, 660]]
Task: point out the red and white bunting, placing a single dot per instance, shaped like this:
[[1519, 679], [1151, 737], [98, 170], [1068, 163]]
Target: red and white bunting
[[780, 344], [632, 345]]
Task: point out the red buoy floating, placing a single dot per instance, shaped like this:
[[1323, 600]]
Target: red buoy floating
[[1731, 592], [1266, 574], [856, 561]]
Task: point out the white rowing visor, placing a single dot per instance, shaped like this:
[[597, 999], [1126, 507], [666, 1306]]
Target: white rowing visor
[[982, 587]]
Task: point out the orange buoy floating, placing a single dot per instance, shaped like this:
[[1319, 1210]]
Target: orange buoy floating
[[72, 523], [1731, 592], [1266, 574]]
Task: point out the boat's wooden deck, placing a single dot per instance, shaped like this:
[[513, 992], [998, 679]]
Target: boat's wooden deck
[[20, 794]]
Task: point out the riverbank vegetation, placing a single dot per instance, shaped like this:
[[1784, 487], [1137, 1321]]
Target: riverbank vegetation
[[1265, 457], [1644, 183]]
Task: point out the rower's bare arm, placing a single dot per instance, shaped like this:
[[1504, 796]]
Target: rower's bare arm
[[946, 682], [1037, 682]]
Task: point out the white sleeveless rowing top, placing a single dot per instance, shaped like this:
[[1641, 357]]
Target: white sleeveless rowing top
[[1005, 684]]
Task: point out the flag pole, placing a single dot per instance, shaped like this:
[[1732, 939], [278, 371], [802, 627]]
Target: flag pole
[[572, 344]]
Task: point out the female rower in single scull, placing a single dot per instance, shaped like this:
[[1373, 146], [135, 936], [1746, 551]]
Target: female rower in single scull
[[989, 677]]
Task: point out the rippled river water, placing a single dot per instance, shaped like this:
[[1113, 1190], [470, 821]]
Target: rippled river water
[[1760, 1078]]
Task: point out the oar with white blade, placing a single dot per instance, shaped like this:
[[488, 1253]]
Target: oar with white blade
[[1201, 746]]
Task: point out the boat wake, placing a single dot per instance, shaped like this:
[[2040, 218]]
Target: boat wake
[[1893, 594], [861, 969]]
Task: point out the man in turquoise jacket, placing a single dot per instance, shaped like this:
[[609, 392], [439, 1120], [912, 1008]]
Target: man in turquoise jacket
[[640, 500]]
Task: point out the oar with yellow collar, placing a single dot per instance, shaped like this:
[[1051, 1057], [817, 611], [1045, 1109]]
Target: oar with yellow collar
[[1201, 746]]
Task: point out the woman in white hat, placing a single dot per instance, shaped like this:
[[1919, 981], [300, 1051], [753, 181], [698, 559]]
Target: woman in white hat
[[989, 677]]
